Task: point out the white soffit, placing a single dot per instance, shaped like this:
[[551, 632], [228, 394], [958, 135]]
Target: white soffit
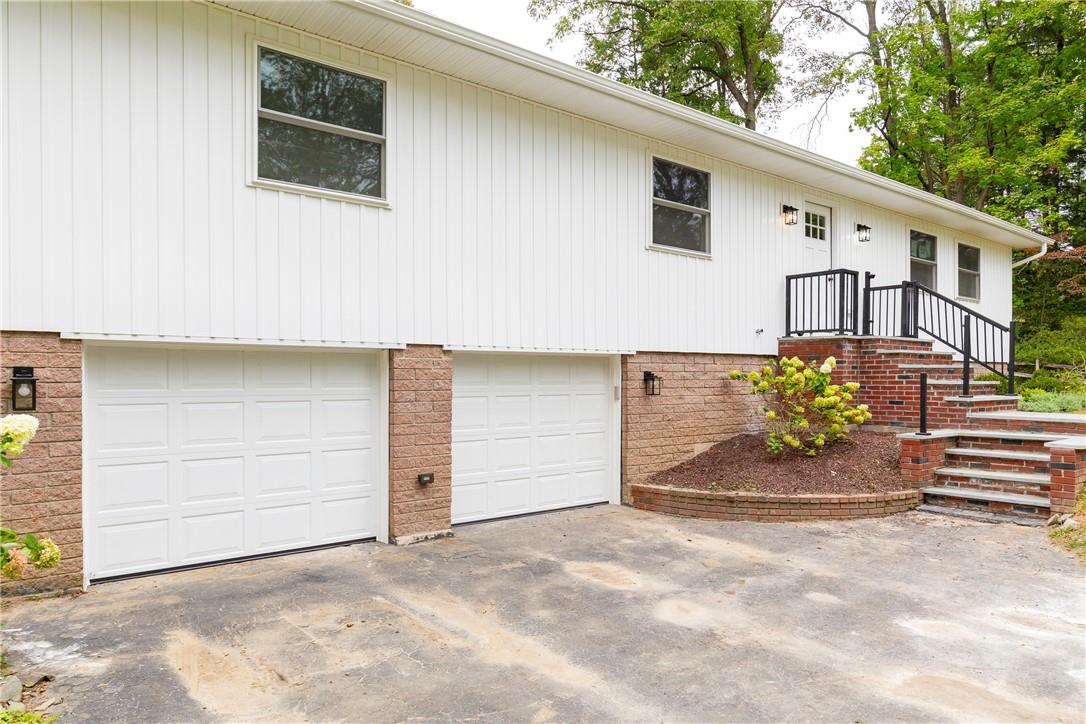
[[396, 31]]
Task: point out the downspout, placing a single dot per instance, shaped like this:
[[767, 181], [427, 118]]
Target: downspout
[[1028, 259]]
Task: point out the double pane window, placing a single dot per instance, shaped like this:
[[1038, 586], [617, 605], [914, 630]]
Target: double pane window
[[968, 271], [922, 262], [320, 126], [680, 206]]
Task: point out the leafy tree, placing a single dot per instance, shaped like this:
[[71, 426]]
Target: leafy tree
[[717, 57]]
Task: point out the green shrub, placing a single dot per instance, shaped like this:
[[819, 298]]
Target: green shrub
[[25, 717], [1001, 388], [1042, 380], [803, 410], [1040, 401], [1063, 346]]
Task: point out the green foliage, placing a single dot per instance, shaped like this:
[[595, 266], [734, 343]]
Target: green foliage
[[717, 57], [1001, 386], [19, 551], [1041, 401], [1064, 345], [804, 411], [25, 717]]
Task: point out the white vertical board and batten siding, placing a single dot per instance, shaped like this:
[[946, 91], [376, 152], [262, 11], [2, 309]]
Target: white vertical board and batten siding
[[511, 225]]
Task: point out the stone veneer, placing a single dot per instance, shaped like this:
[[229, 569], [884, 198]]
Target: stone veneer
[[42, 493], [698, 406], [420, 441]]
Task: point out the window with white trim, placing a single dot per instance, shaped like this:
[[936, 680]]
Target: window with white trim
[[320, 126], [968, 272], [680, 206], [922, 259]]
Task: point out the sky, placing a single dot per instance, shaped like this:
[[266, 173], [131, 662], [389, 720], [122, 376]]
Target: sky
[[509, 20]]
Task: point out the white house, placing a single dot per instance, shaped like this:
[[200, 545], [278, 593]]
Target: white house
[[271, 262]]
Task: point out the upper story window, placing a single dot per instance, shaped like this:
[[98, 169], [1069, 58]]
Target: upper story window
[[320, 126], [922, 264], [968, 272], [680, 207]]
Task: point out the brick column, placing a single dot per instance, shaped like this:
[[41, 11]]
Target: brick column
[[920, 456], [1067, 471], [420, 441], [43, 493]]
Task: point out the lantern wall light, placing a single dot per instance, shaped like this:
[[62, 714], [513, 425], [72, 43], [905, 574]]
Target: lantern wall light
[[652, 383], [790, 214], [24, 389], [863, 232]]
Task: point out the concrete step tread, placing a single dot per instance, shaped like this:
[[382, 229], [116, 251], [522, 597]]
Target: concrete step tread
[[1013, 435], [1034, 501], [921, 366], [984, 452], [980, 515], [972, 383], [983, 398], [921, 352], [1008, 475], [1040, 417]]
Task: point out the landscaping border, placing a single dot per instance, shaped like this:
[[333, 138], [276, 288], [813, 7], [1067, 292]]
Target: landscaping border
[[769, 508]]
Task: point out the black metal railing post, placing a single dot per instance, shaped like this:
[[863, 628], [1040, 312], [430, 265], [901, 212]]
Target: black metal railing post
[[787, 307], [967, 351], [904, 309], [923, 403], [855, 303], [1010, 358], [840, 302], [868, 276]]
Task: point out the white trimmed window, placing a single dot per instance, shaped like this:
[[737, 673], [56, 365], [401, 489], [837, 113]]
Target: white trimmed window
[[680, 207], [922, 259], [319, 126], [968, 272]]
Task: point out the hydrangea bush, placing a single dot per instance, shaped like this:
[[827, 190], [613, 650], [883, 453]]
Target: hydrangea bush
[[19, 552], [804, 411]]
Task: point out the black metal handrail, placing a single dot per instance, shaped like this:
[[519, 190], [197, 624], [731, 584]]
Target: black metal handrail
[[822, 302], [829, 302]]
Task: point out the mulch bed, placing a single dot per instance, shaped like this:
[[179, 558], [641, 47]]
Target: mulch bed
[[865, 463]]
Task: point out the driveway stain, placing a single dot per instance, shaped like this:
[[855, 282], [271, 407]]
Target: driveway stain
[[969, 700], [613, 575]]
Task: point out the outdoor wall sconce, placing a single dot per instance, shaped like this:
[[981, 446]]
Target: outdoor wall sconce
[[790, 214], [24, 389], [863, 232], [652, 383]]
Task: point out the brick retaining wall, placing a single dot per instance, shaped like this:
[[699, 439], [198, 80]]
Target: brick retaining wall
[[769, 508]]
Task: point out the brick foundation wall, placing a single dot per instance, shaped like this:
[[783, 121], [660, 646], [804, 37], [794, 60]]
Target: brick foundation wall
[[769, 508], [920, 456], [420, 441], [698, 406], [1067, 471], [43, 494]]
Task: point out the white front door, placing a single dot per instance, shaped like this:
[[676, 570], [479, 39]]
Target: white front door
[[196, 454], [817, 237], [530, 433]]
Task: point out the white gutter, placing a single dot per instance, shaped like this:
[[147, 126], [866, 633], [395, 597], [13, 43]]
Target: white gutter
[[1028, 259]]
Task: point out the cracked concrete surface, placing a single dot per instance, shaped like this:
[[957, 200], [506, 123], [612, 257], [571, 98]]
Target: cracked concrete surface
[[601, 614]]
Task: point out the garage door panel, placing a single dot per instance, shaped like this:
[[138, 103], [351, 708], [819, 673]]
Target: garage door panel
[[219, 466], [542, 440], [213, 480], [212, 536], [283, 526], [282, 420], [127, 547], [127, 487], [133, 427], [212, 370], [212, 423]]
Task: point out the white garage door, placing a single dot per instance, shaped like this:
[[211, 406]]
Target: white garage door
[[530, 433], [197, 455]]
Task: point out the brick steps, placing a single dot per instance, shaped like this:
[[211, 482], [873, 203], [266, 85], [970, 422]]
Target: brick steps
[[1067, 424], [977, 514], [989, 501]]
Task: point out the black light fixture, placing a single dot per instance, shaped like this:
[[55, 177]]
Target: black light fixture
[[652, 383], [24, 389], [863, 232], [790, 214]]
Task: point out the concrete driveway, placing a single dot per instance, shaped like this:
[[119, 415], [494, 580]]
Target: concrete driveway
[[596, 614]]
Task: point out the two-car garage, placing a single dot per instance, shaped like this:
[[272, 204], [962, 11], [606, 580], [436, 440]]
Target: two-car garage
[[198, 454]]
